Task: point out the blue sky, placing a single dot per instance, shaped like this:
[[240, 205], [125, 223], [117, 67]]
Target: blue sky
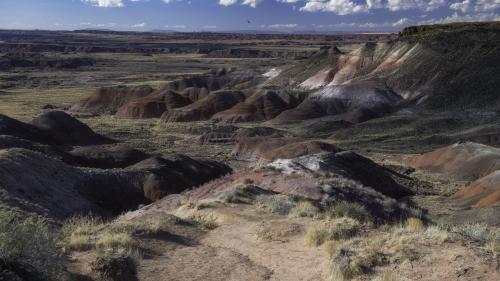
[[225, 15]]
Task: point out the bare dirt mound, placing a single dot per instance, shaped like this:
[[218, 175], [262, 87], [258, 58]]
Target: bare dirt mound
[[107, 156], [261, 106], [484, 192], [358, 103], [16, 128], [176, 173], [277, 146], [153, 105], [346, 164], [461, 161], [42, 185], [205, 108], [107, 100], [67, 130]]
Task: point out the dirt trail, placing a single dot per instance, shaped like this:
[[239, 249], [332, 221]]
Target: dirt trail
[[289, 258]]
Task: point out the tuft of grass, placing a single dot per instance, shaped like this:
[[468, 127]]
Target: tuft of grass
[[305, 208], [113, 241], [403, 250], [386, 276], [345, 263], [115, 267], [277, 232], [437, 233], [79, 232], [152, 227], [414, 224], [205, 221], [475, 232], [78, 243], [351, 210], [493, 246], [278, 203], [344, 230]]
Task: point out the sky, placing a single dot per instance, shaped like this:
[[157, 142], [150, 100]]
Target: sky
[[234, 15]]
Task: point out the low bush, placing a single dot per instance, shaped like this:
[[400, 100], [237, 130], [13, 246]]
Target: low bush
[[115, 267], [305, 209], [278, 203], [29, 240], [343, 230], [205, 221], [351, 210]]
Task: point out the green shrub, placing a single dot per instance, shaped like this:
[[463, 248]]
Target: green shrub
[[278, 203], [350, 210], [115, 267], [30, 240], [318, 235], [305, 209]]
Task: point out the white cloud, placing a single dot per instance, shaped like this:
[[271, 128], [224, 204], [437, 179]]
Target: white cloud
[[251, 3], [340, 7], [281, 25], [461, 6], [139, 25], [400, 22], [227, 2], [487, 5], [104, 3]]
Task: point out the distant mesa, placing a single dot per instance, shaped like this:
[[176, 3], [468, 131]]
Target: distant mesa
[[369, 82]]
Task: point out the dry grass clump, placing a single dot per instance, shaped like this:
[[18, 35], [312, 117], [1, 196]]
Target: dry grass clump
[[494, 247], [202, 220], [110, 240], [84, 233], [115, 267], [342, 230], [305, 208], [350, 210], [292, 205], [414, 224], [241, 194], [277, 232], [80, 232], [278, 203], [152, 227], [346, 263], [471, 231], [489, 237]]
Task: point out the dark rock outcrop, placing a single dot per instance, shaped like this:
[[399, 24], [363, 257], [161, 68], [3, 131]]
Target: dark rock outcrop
[[67, 130], [175, 173], [107, 156]]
